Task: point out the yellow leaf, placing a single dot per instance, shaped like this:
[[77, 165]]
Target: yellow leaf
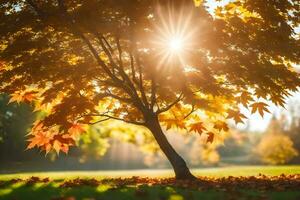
[[198, 2], [15, 97], [220, 125], [57, 146]]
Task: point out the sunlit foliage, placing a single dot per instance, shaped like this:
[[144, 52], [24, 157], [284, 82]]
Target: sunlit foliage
[[276, 149]]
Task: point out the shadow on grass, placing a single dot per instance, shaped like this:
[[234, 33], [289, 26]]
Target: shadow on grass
[[52, 191]]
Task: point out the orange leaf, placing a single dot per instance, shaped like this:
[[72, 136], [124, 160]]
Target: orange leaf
[[260, 93], [210, 137], [76, 130], [169, 123], [18, 97], [39, 139], [261, 107], [15, 97], [237, 116], [278, 100], [220, 125], [245, 98], [29, 96], [65, 148], [197, 127]]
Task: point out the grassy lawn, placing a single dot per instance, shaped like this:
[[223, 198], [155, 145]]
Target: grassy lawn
[[99, 185]]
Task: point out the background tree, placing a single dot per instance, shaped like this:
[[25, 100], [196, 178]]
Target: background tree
[[148, 63], [14, 121], [293, 128], [275, 149]]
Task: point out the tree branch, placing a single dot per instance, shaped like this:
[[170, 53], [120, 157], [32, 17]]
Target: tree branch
[[131, 92], [153, 92], [170, 105], [132, 68], [191, 112], [140, 81], [120, 52], [103, 120], [120, 69], [108, 117], [127, 100]]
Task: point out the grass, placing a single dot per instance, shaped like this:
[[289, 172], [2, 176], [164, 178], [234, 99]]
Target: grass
[[214, 172], [107, 191]]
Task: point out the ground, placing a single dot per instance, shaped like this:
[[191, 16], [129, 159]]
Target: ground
[[255, 182]]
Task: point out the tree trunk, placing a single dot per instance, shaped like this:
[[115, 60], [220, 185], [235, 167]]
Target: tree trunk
[[181, 170]]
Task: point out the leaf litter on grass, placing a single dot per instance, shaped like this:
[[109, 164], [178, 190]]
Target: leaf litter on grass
[[231, 186]]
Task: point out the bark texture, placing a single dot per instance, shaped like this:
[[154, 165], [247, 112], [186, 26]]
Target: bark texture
[[181, 170]]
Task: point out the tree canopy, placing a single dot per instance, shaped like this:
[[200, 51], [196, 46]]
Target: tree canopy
[[140, 61]]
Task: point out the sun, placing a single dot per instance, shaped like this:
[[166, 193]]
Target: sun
[[175, 44], [173, 37]]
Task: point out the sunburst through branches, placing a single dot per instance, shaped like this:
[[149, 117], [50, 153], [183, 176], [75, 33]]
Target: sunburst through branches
[[174, 36]]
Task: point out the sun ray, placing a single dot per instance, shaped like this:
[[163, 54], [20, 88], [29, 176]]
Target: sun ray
[[173, 36]]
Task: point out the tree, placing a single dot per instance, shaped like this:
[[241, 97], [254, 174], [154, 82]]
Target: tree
[[288, 123], [149, 63], [275, 146], [293, 130], [275, 149]]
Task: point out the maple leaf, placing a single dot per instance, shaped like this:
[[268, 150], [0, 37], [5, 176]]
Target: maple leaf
[[237, 116], [245, 98], [278, 100], [261, 107], [171, 122], [15, 97], [39, 139], [21, 96], [197, 127], [57, 146], [260, 93], [180, 124], [210, 137], [220, 125], [76, 129], [29, 96]]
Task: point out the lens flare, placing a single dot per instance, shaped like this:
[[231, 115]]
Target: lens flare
[[173, 35]]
